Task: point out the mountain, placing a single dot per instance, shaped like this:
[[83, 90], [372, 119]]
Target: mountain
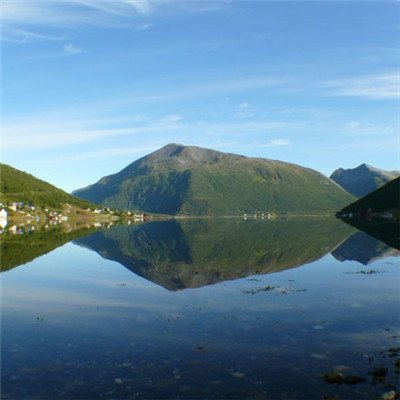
[[190, 180], [386, 198], [195, 253], [362, 180], [20, 186]]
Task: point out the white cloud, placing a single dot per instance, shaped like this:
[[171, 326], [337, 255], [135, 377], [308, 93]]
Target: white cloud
[[219, 88], [22, 18], [52, 12], [45, 133], [105, 153], [356, 128], [384, 86], [143, 27], [243, 114], [244, 111], [26, 36], [279, 142], [58, 14], [172, 118], [71, 49]]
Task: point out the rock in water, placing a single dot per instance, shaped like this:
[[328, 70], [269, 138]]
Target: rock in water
[[333, 376]]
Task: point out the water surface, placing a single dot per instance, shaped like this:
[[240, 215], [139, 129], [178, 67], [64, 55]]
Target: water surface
[[213, 309]]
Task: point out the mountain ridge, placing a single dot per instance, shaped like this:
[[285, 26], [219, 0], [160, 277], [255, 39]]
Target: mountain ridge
[[178, 179], [364, 179]]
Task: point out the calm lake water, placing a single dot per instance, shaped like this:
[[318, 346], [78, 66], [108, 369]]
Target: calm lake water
[[216, 309]]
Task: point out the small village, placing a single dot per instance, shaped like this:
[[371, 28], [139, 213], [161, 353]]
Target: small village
[[20, 218]]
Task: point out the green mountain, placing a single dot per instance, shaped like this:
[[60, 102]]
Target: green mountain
[[195, 253], [386, 198], [20, 186], [362, 180], [190, 180]]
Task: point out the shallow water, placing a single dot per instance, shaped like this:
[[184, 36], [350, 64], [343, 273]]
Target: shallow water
[[204, 309]]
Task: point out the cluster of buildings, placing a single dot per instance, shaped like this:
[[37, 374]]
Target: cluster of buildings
[[16, 206], [255, 216], [31, 212]]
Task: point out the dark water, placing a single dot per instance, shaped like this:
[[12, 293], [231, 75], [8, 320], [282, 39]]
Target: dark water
[[221, 309]]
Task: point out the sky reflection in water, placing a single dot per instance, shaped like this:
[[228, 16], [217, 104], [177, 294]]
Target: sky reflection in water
[[75, 325]]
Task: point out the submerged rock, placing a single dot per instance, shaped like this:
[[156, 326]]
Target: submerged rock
[[333, 376], [238, 374], [392, 395]]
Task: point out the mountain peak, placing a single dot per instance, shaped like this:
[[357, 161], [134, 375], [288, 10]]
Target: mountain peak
[[367, 167], [178, 179], [363, 179], [184, 155], [168, 151]]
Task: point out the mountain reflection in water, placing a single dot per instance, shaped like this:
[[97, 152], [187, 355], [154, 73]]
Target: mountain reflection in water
[[363, 248], [195, 253], [190, 254]]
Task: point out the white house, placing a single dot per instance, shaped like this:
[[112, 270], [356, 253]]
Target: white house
[[3, 218]]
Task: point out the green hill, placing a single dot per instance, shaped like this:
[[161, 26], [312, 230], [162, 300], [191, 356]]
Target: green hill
[[180, 179], [386, 198], [20, 186]]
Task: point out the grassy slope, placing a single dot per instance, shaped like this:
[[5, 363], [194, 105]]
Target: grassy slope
[[20, 186], [261, 186], [230, 186], [383, 199]]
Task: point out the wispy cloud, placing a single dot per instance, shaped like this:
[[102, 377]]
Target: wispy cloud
[[26, 36], [172, 118], [71, 49], [279, 142], [70, 128], [384, 86], [209, 89], [22, 19], [53, 12], [107, 153], [47, 132], [245, 111], [357, 128]]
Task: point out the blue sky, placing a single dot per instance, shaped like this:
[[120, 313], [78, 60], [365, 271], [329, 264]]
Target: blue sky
[[89, 86]]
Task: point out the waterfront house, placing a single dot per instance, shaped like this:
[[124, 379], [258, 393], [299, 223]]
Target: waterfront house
[[3, 213]]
